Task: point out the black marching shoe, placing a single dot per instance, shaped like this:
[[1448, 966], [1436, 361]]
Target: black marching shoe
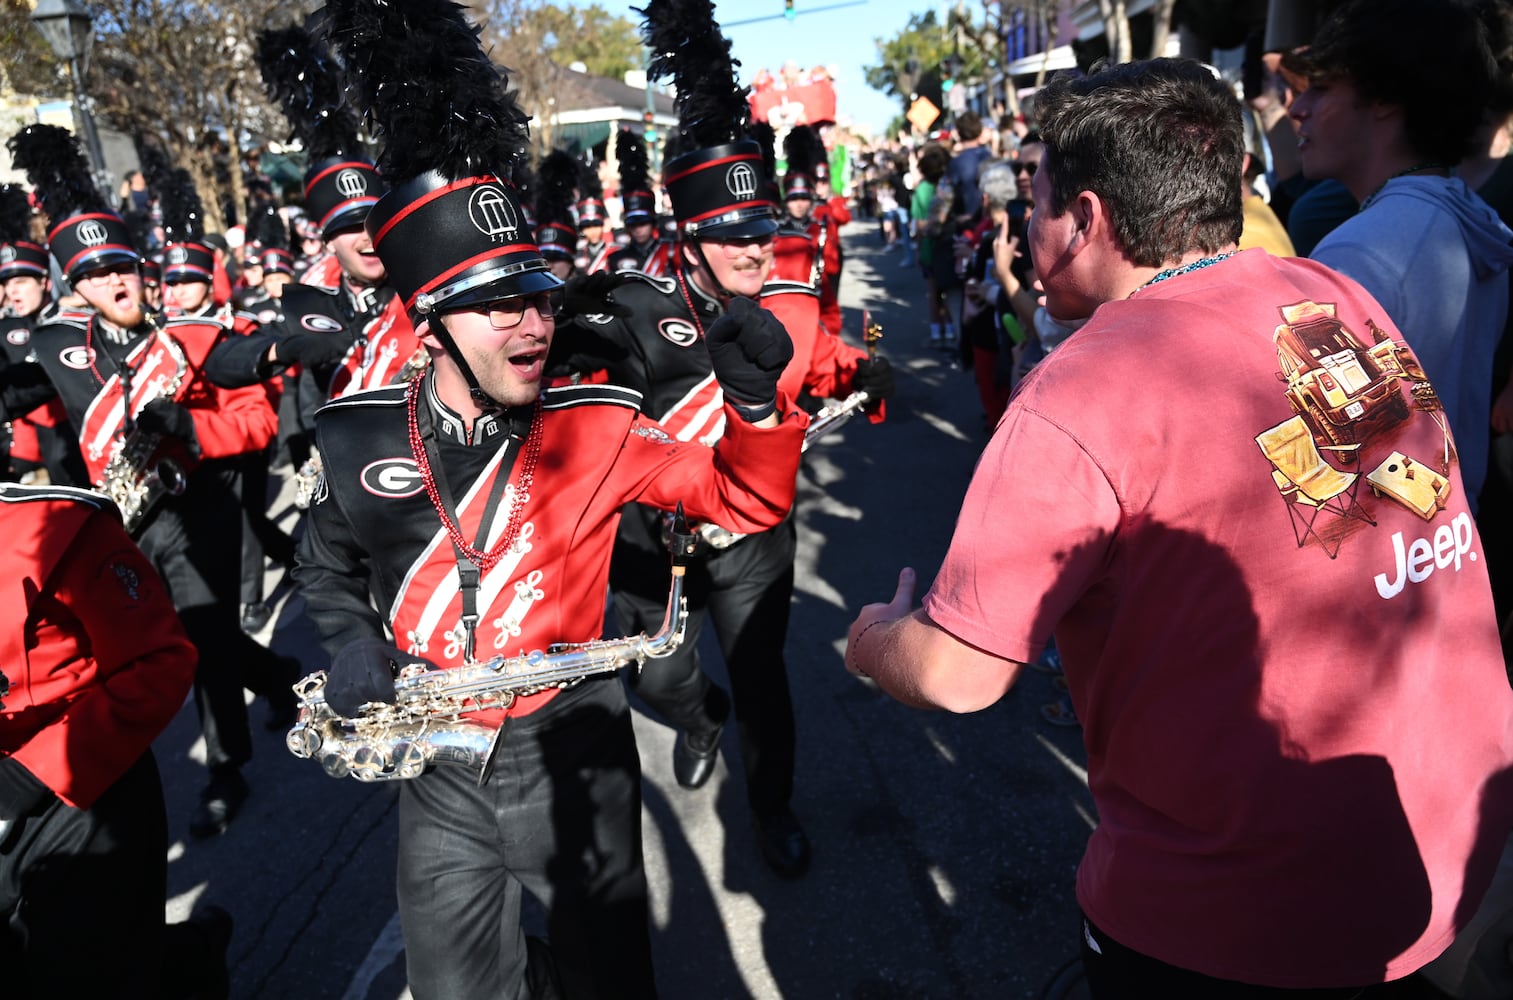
[[785, 848], [693, 756], [255, 617], [219, 803]]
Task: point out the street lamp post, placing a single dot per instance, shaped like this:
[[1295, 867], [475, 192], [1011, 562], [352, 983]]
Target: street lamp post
[[68, 27]]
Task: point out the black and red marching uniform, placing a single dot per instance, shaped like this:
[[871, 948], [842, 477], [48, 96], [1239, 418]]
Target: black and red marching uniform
[[96, 664], [594, 257], [746, 587], [369, 320], [542, 487], [42, 436], [192, 540], [654, 257]]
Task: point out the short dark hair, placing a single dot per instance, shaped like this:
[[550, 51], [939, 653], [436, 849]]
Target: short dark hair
[[968, 125], [1428, 57], [933, 161], [1161, 142]]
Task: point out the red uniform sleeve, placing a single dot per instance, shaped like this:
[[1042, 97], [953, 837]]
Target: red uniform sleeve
[[746, 483], [105, 629], [232, 421], [839, 212]]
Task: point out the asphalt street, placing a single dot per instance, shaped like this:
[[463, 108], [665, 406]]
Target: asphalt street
[[945, 847]]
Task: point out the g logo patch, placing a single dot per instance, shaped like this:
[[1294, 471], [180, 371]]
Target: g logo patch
[[679, 331], [77, 358], [18, 335], [316, 323], [392, 478]]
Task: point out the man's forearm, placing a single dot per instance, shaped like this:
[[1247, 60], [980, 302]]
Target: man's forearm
[[921, 664]]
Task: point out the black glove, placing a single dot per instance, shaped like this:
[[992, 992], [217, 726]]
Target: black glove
[[164, 416], [313, 350], [362, 672], [874, 376], [21, 796], [748, 349], [593, 294]]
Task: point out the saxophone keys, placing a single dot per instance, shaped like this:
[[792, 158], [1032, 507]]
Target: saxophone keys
[[370, 762]]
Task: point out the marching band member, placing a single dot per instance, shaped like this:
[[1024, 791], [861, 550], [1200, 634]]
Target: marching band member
[[469, 513], [642, 249], [725, 213], [593, 249], [95, 665], [808, 204], [42, 438], [349, 333], [124, 375], [555, 235]]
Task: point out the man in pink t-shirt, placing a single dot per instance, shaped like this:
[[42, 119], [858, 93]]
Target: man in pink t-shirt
[[1243, 519]]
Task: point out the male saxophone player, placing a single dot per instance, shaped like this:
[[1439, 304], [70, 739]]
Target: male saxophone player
[[470, 513]]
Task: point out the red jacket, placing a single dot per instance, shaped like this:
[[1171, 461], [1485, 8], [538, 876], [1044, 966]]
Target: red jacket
[[97, 661]]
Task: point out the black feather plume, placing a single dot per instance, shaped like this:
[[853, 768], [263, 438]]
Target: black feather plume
[[555, 182], [301, 76], [15, 215], [267, 229], [431, 92], [183, 214], [763, 135], [589, 184], [54, 163], [635, 171], [686, 44], [799, 149]]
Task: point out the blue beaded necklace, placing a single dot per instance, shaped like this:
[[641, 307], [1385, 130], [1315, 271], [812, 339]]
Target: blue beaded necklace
[[1196, 265]]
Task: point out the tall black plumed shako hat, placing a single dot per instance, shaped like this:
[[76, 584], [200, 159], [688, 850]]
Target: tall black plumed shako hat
[[83, 234], [638, 202], [187, 256], [451, 231], [20, 255], [341, 184], [555, 232], [716, 184]]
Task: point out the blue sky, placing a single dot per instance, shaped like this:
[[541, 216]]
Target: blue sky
[[843, 39]]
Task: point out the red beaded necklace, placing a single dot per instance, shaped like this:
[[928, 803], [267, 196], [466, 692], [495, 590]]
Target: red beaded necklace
[[683, 287], [485, 561]]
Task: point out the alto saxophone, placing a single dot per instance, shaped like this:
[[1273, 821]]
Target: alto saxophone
[[144, 467], [425, 724]]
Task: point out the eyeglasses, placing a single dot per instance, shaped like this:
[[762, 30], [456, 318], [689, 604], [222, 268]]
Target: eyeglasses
[[506, 314], [737, 248], [101, 275], [1028, 166]]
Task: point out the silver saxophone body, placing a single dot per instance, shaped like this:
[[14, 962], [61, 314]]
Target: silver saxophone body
[[425, 725], [144, 467]]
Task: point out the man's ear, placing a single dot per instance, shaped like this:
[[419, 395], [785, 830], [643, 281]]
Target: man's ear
[[426, 337], [690, 256]]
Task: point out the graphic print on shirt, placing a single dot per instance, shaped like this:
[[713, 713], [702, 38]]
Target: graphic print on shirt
[[1367, 430]]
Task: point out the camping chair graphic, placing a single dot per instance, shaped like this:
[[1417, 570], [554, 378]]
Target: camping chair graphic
[[1308, 484]]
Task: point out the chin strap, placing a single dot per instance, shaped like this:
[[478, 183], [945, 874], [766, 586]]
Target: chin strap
[[480, 398], [721, 292]]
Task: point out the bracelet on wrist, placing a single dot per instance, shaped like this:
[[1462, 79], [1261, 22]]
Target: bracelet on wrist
[[856, 647], [751, 414]]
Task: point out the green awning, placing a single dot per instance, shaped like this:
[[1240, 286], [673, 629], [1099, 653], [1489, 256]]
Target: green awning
[[576, 137]]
